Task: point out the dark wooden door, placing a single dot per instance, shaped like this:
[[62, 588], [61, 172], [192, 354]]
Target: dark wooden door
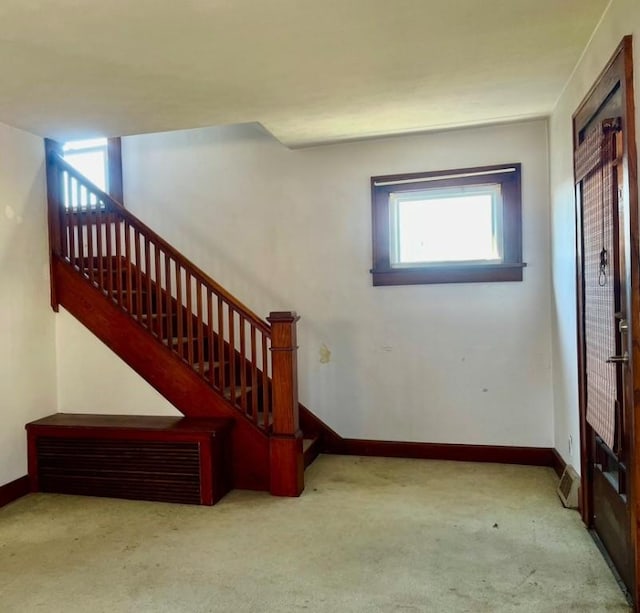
[[604, 156]]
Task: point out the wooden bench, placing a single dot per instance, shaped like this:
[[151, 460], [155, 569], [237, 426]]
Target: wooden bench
[[169, 459]]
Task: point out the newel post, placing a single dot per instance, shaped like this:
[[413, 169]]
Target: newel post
[[54, 211], [285, 452]]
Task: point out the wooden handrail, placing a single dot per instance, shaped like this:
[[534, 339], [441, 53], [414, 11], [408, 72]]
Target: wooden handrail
[[248, 361], [113, 206]]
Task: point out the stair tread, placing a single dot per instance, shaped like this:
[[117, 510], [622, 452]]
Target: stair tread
[[207, 365], [238, 391]]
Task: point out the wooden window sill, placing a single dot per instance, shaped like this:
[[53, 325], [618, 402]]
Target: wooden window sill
[[449, 273]]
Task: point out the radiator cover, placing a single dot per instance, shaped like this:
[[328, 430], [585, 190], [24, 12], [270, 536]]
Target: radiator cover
[[159, 459], [143, 470]]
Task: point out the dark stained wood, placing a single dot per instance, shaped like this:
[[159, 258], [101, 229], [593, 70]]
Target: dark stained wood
[[558, 462], [90, 251], [178, 309], [137, 250], [54, 208], [123, 425], [99, 250], [284, 349], [200, 328], [114, 168], [124, 215], [264, 379], [511, 269], [169, 297], [221, 369], [158, 291], [314, 427], [630, 171], [187, 284], [231, 320], [243, 361], [287, 465], [476, 273], [147, 306], [143, 294], [165, 371], [287, 462], [618, 73], [532, 456], [254, 376], [610, 525], [140, 457], [311, 450], [13, 490], [331, 442]]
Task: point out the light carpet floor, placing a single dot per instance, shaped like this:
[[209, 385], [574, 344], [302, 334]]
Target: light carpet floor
[[368, 534]]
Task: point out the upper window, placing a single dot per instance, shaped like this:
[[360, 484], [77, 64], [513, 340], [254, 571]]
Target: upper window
[[454, 226], [90, 158], [99, 160]]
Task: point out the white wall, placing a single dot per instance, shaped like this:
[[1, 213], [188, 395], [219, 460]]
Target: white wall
[[289, 229], [27, 357], [622, 17], [93, 379]]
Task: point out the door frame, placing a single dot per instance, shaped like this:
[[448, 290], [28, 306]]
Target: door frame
[[618, 69]]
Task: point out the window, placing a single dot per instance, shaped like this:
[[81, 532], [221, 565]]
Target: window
[[100, 161], [454, 226], [90, 158]]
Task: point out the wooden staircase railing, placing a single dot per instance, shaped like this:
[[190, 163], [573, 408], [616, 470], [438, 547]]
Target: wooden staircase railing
[[245, 359]]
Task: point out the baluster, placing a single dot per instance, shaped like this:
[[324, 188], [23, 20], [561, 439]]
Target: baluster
[[99, 229], [64, 228], [136, 246], [200, 324], [69, 196], [129, 264], [243, 363], [109, 241], [266, 404], [210, 342], [169, 305], [189, 314], [89, 217], [71, 217], [179, 309], [158, 271], [232, 354], [254, 376], [149, 294], [221, 360], [119, 288]]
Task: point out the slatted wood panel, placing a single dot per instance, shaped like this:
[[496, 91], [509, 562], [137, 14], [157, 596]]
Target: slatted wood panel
[[170, 459], [142, 470]]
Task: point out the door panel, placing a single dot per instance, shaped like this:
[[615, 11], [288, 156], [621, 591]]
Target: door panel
[[606, 221]]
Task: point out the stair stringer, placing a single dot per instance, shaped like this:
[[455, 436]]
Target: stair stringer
[[163, 370]]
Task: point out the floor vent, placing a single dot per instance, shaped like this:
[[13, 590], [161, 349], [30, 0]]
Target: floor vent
[[568, 488]]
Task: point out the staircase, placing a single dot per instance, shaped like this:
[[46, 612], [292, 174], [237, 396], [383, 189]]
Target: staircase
[[194, 342]]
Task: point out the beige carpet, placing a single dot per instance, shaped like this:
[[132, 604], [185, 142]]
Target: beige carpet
[[368, 534]]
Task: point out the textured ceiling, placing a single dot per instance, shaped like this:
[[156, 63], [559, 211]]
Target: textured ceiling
[[309, 71]]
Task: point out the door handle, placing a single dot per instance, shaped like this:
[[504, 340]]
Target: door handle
[[619, 359]]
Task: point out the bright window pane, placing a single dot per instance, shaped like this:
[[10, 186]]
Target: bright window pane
[[88, 157], [439, 226], [91, 163]]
